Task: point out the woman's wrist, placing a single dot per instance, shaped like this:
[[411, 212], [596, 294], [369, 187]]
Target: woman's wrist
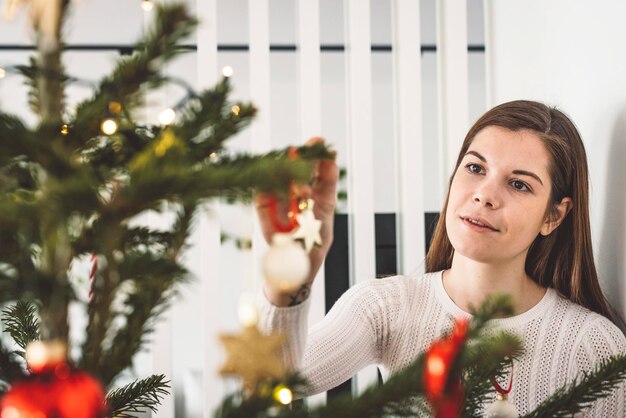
[[286, 299]]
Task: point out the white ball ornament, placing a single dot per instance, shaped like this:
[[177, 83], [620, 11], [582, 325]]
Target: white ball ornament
[[501, 408], [286, 265]]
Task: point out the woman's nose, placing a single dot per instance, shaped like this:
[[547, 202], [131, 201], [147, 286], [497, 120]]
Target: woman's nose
[[487, 195]]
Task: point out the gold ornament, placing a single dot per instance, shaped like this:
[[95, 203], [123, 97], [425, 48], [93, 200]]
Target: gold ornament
[[253, 356], [167, 141]]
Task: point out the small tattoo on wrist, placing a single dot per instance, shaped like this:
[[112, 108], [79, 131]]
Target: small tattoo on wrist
[[300, 295]]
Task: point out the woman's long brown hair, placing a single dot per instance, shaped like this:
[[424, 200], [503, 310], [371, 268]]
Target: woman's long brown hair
[[562, 260]]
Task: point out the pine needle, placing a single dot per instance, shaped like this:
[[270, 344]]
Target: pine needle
[[138, 396], [577, 396], [22, 323]]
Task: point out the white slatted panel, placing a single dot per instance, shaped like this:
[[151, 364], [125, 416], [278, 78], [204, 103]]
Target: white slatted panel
[[163, 358], [259, 21], [360, 153], [206, 237], [488, 26], [258, 24], [310, 104], [452, 81], [162, 350], [408, 119]]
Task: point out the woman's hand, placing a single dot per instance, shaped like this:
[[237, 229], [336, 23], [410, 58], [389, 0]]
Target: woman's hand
[[323, 191]]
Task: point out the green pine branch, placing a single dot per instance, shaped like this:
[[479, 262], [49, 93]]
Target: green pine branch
[[145, 305], [579, 395], [482, 359], [172, 25], [21, 321], [403, 393], [208, 120], [154, 277], [494, 306], [138, 396], [11, 367]]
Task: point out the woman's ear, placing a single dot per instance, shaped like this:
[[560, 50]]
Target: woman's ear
[[555, 217]]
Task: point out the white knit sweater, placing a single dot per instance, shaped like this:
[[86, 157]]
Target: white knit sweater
[[389, 321]]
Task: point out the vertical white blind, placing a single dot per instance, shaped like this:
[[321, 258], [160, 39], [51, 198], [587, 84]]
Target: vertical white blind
[[162, 350], [310, 115], [206, 237], [408, 120], [163, 358], [488, 27], [258, 29], [452, 81], [258, 24], [360, 152]]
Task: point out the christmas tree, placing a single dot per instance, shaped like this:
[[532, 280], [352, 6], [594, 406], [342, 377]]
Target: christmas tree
[[71, 185]]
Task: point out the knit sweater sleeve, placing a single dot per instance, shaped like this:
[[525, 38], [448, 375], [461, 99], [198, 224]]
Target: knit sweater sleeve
[[351, 336], [601, 340]]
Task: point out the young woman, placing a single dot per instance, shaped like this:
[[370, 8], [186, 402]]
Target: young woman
[[516, 221]]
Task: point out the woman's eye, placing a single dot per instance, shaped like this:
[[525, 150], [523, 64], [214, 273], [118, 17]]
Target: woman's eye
[[474, 168], [520, 185]]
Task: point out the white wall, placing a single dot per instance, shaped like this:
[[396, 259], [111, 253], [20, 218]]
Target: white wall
[[573, 54]]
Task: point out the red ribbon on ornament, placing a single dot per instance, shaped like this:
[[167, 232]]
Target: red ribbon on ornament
[[446, 402], [294, 204], [294, 209], [500, 389]]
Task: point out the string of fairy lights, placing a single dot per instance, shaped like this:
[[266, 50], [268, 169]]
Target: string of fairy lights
[[110, 123]]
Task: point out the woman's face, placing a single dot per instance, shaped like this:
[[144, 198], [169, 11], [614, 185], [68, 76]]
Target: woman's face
[[499, 196]]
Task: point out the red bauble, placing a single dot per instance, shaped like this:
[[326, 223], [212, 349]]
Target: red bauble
[[59, 393]]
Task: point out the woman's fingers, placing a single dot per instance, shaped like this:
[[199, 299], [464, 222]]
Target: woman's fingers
[[322, 190]]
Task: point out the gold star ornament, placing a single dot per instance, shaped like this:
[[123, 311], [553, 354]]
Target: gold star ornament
[[253, 356]]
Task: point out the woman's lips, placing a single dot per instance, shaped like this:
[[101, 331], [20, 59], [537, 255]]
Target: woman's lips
[[477, 224]]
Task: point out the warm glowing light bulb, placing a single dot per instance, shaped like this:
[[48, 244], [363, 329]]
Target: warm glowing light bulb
[[247, 311], [167, 116], [248, 315], [109, 126], [65, 129], [147, 5], [436, 366], [36, 354], [40, 355], [2, 72], [283, 394], [227, 71], [235, 109], [10, 412]]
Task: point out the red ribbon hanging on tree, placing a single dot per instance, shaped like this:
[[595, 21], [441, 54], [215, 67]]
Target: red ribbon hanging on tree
[[446, 399], [500, 389]]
